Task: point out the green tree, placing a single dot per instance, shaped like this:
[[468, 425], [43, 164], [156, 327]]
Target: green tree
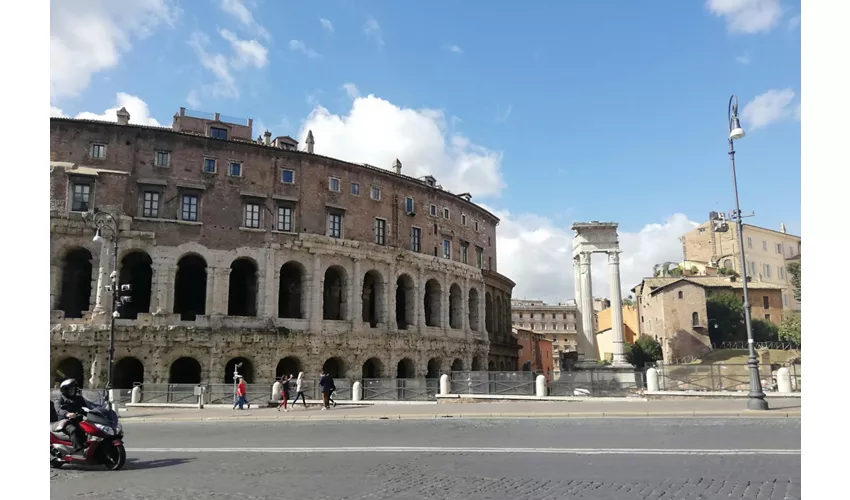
[[645, 350], [725, 317], [796, 278], [789, 330], [764, 331]]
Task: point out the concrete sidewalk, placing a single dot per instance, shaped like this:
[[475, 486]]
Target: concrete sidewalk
[[506, 410]]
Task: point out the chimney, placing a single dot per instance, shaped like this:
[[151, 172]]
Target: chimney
[[267, 138], [782, 229], [397, 166], [123, 116], [310, 141]]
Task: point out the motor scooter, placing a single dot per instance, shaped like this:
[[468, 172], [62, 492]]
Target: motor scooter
[[104, 440]]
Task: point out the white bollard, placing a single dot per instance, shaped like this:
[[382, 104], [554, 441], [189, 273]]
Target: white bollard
[[783, 380], [652, 380], [540, 386], [444, 385], [199, 390], [113, 399], [136, 395], [356, 391], [276, 387]]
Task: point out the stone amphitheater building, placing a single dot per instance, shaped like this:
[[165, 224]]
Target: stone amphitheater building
[[256, 251]]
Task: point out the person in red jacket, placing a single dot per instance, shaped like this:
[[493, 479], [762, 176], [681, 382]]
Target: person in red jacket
[[241, 393]]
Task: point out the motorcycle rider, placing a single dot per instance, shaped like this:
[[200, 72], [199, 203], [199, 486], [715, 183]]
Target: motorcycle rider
[[71, 403]]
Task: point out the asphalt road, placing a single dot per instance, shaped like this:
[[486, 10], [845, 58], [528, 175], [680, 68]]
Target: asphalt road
[[456, 459]]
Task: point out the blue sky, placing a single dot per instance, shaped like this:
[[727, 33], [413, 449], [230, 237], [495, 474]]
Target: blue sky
[[606, 110]]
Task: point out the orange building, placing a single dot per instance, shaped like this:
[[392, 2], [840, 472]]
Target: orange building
[[604, 335], [535, 352]]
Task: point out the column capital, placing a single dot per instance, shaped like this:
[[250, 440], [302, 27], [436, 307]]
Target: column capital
[[614, 257], [584, 258]]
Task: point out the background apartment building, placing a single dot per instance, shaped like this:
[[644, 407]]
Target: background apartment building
[[554, 321], [768, 254]]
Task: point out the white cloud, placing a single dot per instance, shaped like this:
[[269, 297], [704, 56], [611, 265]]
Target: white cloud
[[743, 59], [326, 24], [138, 109], [536, 253], [747, 16], [377, 132], [248, 52], [373, 30], [299, 46], [88, 36], [240, 11], [456, 49], [351, 90], [767, 108], [225, 83]]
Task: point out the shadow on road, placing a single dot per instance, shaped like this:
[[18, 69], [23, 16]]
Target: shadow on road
[[136, 464]]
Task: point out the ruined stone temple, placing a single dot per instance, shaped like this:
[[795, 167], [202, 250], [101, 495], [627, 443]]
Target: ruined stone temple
[[261, 252]]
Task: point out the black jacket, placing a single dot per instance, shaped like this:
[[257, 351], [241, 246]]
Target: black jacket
[[72, 405], [327, 383]]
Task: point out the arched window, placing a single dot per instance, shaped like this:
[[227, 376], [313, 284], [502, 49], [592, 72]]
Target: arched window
[[695, 319], [681, 294]]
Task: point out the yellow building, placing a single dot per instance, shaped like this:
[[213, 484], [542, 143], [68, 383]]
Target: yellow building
[[604, 335]]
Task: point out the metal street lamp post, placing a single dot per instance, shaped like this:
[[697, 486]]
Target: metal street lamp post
[[755, 399]]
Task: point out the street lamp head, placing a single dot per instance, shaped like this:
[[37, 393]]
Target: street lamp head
[[737, 132], [97, 237]]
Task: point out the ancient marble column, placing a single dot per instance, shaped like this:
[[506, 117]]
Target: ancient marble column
[[464, 302], [388, 315], [617, 310], [586, 286]]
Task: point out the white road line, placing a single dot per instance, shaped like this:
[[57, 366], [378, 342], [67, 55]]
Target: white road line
[[418, 449]]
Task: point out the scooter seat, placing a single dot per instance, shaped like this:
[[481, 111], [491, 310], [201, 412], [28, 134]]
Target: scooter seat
[[58, 430]]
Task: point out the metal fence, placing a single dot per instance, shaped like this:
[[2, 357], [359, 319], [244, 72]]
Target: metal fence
[[597, 383], [783, 346], [493, 383], [402, 389], [796, 376], [713, 377]]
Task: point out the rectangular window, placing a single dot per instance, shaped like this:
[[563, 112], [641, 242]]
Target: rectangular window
[[189, 207], [218, 133], [252, 215], [764, 245], [767, 271], [752, 268], [779, 248], [446, 214], [416, 239], [463, 219], [150, 204], [409, 205], [335, 225], [767, 317], [490, 263], [333, 184], [235, 169], [476, 226], [284, 219], [781, 272], [784, 300], [162, 158], [479, 257], [98, 151], [80, 196], [375, 193], [209, 165], [380, 232], [355, 189], [765, 301], [749, 243], [464, 252], [287, 176], [432, 209], [447, 249]]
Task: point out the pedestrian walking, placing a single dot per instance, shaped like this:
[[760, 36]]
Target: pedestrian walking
[[284, 392], [299, 390], [241, 392], [327, 384]]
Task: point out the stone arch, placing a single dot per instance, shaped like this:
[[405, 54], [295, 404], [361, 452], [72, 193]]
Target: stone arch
[[127, 372], [491, 366], [374, 298], [476, 364], [472, 304], [372, 368], [184, 370], [242, 288], [76, 288], [488, 315], [455, 306], [497, 317], [292, 296], [334, 296], [335, 367], [433, 303], [434, 366], [695, 319], [405, 369], [457, 365], [727, 263], [502, 366], [72, 368], [246, 370], [190, 287], [136, 271], [289, 365], [405, 295]]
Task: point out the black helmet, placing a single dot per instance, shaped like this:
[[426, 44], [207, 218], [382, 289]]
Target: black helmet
[[69, 388]]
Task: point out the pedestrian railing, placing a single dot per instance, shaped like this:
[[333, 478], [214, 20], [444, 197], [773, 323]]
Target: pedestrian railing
[[597, 383], [711, 377], [493, 383], [796, 372], [402, 389]]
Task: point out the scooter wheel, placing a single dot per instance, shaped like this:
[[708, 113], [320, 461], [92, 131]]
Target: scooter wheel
[[55, 464], [114, 457]]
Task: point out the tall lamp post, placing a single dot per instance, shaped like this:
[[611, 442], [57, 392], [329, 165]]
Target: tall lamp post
[[755, 399]]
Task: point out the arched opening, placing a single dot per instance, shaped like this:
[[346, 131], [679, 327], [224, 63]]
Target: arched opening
[[70, 368], [334, 367], [681, 294], [491, 366], [476, 364], [185, 371], [190, 287], [291, 291], [457, 365], [75, 295], [455, 307], [695, 319], [473, 309], [497, 317], [334, 302], [373, 298], [246, 370], [242, 289], [727, 264], [287, 366], [433, 368], [488, 315], [405, 293], [405, 369], [136, 271], [373, 368], [502, 366], [433, 303], [126, 372]]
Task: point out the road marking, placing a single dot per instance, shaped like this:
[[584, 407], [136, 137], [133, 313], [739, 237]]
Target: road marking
[[430, 449]]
